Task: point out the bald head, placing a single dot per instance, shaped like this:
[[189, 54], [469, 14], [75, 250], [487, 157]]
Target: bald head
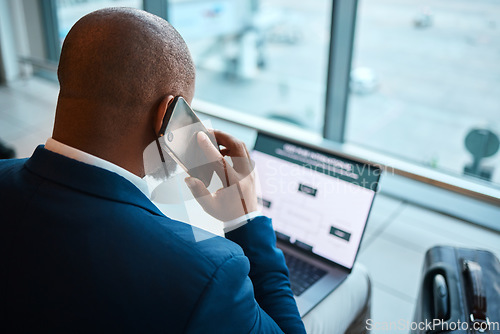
[[117, 65], [124, 56]]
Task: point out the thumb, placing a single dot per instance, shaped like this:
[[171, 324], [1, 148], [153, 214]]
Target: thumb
[[199, 191]]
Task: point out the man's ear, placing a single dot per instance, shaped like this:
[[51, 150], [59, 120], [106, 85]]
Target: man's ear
[[160, 113]]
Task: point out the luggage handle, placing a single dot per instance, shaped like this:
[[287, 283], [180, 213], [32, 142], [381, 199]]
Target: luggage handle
[[441, 297], [440, 308], [473, 279]]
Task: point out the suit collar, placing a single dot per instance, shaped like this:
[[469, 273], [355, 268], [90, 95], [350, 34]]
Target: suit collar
[[87, 178], [89, 159]]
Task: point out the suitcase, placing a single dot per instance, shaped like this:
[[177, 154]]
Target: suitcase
[[459, 292]]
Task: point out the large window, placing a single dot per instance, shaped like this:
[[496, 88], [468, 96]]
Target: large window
[[423, 86], [424, 74], [264, 57]]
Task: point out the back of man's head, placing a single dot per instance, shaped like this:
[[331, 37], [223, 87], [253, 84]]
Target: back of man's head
[[116, 66]]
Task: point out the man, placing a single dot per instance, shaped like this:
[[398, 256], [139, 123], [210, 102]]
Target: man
[[83, 247]]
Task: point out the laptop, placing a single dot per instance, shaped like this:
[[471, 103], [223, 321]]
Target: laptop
[[319, 203]]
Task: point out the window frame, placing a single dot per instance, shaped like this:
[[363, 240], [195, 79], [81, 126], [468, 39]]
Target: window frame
[[50, 29], [342, 33]]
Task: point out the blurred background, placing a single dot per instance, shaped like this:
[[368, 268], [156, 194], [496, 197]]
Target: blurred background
[[407, 78]]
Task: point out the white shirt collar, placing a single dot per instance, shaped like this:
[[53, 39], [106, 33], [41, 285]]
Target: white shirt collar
[[75, 154]]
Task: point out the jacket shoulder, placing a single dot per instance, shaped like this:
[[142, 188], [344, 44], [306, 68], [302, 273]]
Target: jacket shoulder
[[196, 244], [11, 165]]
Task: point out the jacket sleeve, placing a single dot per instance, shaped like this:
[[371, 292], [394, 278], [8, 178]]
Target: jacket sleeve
[[268, 273], [227, 304]]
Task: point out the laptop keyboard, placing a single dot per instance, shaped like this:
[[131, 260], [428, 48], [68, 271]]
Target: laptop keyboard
[[302, 273]]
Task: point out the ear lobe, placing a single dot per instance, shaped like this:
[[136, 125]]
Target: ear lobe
[[160, 113]]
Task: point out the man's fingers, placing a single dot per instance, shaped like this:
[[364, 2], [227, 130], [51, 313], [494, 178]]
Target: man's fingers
[[215, 159], [224, 151], [211, 152], [236, 149], [200, 192]]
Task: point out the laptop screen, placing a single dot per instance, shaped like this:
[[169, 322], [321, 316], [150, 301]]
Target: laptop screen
[[318, 201]]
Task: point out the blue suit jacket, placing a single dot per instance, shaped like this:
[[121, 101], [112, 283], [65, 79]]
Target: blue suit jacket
[[83, 250]]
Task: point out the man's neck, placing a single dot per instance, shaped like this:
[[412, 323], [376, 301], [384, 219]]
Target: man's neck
[[123, 155]]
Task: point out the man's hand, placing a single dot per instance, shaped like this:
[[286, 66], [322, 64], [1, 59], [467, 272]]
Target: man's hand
[[237, 197]]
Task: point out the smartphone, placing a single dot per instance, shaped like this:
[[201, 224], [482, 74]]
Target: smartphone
[[178, 134]]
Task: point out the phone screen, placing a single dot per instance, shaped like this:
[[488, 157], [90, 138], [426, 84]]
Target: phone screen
[[180, 138]]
